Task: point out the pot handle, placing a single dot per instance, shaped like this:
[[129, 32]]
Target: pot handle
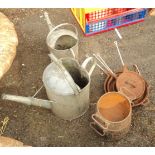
[[94, 116], [97, 129], [86, 62]]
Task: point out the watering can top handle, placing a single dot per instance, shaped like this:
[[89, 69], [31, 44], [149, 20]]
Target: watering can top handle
[[86, 62], [53, 28], [65, 24], [66, 74]]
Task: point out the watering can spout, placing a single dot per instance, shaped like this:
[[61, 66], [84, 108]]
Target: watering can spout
[[50, 25], [28, 100]]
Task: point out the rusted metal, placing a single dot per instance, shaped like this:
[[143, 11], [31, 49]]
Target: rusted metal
[[113, 115], [110, 85], [132, 81]]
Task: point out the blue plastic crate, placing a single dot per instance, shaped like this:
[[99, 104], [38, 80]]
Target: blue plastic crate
[[117, 21]]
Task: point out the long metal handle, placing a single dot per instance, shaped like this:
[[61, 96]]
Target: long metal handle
[[102, 69], [105, 66], [118, 33], [101, 62], [119, 53], [105, 63], [50, 25]]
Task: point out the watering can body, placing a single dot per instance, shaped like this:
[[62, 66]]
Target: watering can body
[[64, 101], [62, 40], [68, 105]]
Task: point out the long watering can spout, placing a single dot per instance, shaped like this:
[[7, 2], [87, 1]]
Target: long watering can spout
[[28, 100], [50, 25]]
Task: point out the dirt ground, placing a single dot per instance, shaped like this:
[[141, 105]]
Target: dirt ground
[[39, 127]]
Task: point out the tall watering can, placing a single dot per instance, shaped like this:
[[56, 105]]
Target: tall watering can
[[67, 85], [70, 92], [62, 39]]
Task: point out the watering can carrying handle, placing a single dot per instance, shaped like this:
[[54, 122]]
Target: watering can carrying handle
[[86, 62]]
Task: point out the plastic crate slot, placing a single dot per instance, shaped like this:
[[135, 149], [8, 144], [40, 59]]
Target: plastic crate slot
[[107, 19]]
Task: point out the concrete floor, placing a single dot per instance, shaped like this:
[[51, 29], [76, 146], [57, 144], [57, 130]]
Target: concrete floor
[[39, 127]]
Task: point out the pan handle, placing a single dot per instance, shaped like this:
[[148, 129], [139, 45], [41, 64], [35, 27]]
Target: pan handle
[[97, 129], [102, 70], [119, 53], [145, 103], [137, 69], [104, 125]]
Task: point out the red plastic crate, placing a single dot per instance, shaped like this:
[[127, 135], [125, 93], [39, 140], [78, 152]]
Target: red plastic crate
[[100, 20], [96, 15]]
